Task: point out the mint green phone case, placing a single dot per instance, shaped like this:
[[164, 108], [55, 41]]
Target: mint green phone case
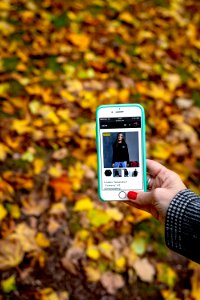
[[98, 144]]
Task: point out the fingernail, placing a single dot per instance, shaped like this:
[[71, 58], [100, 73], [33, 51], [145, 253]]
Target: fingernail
[[132, 195]]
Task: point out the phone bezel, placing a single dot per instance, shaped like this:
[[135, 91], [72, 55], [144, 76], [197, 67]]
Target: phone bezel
[[110, 111]]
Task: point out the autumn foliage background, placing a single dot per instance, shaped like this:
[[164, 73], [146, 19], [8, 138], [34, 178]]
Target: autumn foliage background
[[59, 60]]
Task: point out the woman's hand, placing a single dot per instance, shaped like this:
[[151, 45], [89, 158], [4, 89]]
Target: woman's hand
[[163, 186]]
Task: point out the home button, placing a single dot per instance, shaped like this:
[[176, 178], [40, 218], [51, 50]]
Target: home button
[[122, 195]]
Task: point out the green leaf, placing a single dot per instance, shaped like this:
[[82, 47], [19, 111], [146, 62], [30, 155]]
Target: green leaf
[[61, 20], [196, 97], [10, 63], [139, 245], [8, 285]]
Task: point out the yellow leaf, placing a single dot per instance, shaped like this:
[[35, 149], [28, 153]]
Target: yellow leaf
[[158, 92], [6, 190], [41, 240], [83, 234], [161, 150], [126, 17], [4, 5], [68, 96], [170, 295], [3, 212], [64, 114], [195, 282], [21, 126], [53, 117], [83, 204], [38, 165], [93, 252], [124, 95], [48, 294], [4, 150], [80, 40], [88, 130], [8, 284], [106, 249], [166, 274], [91, 161], [58, 208], [15, 211], [56, 170], [120, 263], [115, 214], [93, 274]]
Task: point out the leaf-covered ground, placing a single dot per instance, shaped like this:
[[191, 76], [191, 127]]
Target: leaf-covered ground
[[59, 60]]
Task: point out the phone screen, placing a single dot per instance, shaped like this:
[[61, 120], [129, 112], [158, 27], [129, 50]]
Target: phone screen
[[121, 153]]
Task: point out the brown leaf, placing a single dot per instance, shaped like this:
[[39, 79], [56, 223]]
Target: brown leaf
[[68, 265], [144, 269], [11, 253], [60, 154], [112, 282]]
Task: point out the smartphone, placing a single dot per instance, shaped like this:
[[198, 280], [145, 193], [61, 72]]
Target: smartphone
[[120, 137]]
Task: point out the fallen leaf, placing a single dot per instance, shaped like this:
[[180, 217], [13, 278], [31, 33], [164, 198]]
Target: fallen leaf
[[60, 154], [92, 274], [115, 214], [166, 274], [42, 240], [112, 282], [106, 249], [80, 40], [26, 236], [11, 253], [144, 269], [48, 294], [21, 126], [32, 206], [69, 266], [84, 204], [8, 285], [38, 165], [4, 151], [93, 252], [195, 280], [3, 212], [58, 208], [62, 187], [138, 245], [120, 263], [98, 217]]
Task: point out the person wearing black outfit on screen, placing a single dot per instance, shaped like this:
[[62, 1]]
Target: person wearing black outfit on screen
[[120, 152]]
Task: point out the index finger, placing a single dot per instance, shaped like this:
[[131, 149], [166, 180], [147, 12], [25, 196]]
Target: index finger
[[154, 168]]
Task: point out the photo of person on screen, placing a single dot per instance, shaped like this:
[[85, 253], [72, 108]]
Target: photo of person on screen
[[120, 152]]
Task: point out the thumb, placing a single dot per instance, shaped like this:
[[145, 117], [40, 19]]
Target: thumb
[[141, 198]]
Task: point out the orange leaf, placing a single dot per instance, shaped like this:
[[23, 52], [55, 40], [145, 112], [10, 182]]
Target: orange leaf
[[62, 187]]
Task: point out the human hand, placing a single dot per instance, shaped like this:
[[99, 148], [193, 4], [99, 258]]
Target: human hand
[[163, 186]]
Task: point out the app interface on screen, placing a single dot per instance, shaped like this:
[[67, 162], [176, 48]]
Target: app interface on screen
[[121, 153]]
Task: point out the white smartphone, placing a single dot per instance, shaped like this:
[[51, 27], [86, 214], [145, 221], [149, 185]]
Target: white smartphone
[[120, 136]]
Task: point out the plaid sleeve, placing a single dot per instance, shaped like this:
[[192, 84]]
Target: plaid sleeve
[[182, 226]]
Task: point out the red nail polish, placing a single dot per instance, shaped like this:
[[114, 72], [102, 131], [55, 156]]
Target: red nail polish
[[132, 195]]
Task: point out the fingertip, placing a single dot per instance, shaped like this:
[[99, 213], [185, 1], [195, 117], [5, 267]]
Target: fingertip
[[132, 195]]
